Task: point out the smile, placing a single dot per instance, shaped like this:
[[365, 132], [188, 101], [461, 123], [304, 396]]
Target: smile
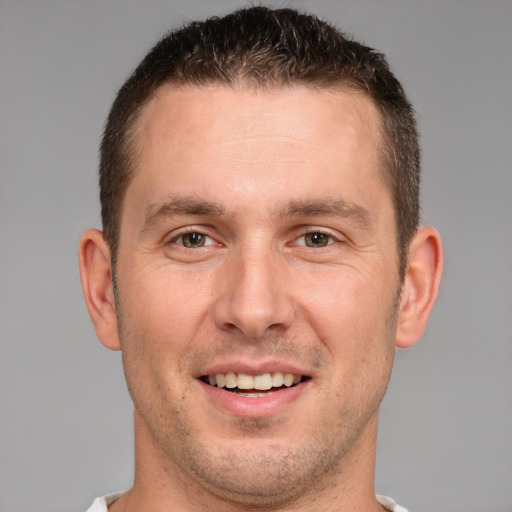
[[241, 383]]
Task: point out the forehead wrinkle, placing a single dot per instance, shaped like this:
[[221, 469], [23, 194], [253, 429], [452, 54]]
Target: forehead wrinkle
[[330, 208], [176, 206]]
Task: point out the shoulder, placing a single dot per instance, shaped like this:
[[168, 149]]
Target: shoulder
[[390, 504], [101, 504]]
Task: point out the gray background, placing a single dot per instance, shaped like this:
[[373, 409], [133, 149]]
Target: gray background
[[65, 417]]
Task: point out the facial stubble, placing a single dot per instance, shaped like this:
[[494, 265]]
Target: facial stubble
[[254, 470]]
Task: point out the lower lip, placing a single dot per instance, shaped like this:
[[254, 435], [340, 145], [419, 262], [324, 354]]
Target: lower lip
[[254, 407]]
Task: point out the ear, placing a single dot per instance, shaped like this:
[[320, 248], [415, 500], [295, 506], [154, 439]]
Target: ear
[[96, 278], [420, 286]]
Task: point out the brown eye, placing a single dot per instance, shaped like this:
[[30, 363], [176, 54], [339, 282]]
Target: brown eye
[[193, 240], [316, 239]]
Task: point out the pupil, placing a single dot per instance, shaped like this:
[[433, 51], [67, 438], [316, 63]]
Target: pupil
[[194, 240], [317, 239]]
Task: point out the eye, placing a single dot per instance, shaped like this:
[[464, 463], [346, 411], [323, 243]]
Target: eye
[[316, 239], [194, 240]]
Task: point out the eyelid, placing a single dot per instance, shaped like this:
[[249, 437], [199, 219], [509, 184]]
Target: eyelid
[[335, 237], [179, 233]]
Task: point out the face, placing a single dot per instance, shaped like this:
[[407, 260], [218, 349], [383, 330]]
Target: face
[[257, 283]]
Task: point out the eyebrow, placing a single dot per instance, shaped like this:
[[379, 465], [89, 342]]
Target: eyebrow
[[176, 206], [193, 206], [328, 208]]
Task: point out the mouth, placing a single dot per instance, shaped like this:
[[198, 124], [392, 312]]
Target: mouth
[[253, 386]]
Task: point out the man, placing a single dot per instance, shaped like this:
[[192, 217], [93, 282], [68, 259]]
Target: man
[[260, 261]]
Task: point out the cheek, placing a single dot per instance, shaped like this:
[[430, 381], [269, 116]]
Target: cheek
[[167, 305], [353, 316], [159, 319], [347, 302]]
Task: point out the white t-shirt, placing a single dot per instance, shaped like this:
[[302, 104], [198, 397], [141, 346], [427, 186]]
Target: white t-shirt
[[101, 504]]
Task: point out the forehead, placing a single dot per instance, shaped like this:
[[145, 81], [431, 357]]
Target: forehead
[[197, 137], [212, 110]]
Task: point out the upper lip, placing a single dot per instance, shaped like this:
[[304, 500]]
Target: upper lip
[[252, 368]]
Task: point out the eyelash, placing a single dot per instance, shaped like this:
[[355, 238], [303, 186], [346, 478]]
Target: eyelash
[[179, 239], [315, 231]]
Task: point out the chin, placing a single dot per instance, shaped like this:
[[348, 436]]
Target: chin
[[263, 475]]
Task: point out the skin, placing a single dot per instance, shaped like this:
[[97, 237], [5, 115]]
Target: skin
[[296, 269]]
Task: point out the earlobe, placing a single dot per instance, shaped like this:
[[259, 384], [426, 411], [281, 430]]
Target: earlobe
[[420, 287], [96, 278]]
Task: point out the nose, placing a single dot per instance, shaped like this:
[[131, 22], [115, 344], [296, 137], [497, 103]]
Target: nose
[[255, 295]]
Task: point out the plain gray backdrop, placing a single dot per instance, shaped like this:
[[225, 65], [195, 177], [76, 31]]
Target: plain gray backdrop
[[65, 420]]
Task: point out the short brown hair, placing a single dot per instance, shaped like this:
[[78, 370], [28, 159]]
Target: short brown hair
[[264, 47]]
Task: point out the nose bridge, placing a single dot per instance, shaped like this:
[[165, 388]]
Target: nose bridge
[[255, 296]]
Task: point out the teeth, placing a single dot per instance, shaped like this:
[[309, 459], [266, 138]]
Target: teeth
[[231, 380], [250, 395], [288, 379], [263, 382], [277, 379], [245, 381], [221, 381]]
